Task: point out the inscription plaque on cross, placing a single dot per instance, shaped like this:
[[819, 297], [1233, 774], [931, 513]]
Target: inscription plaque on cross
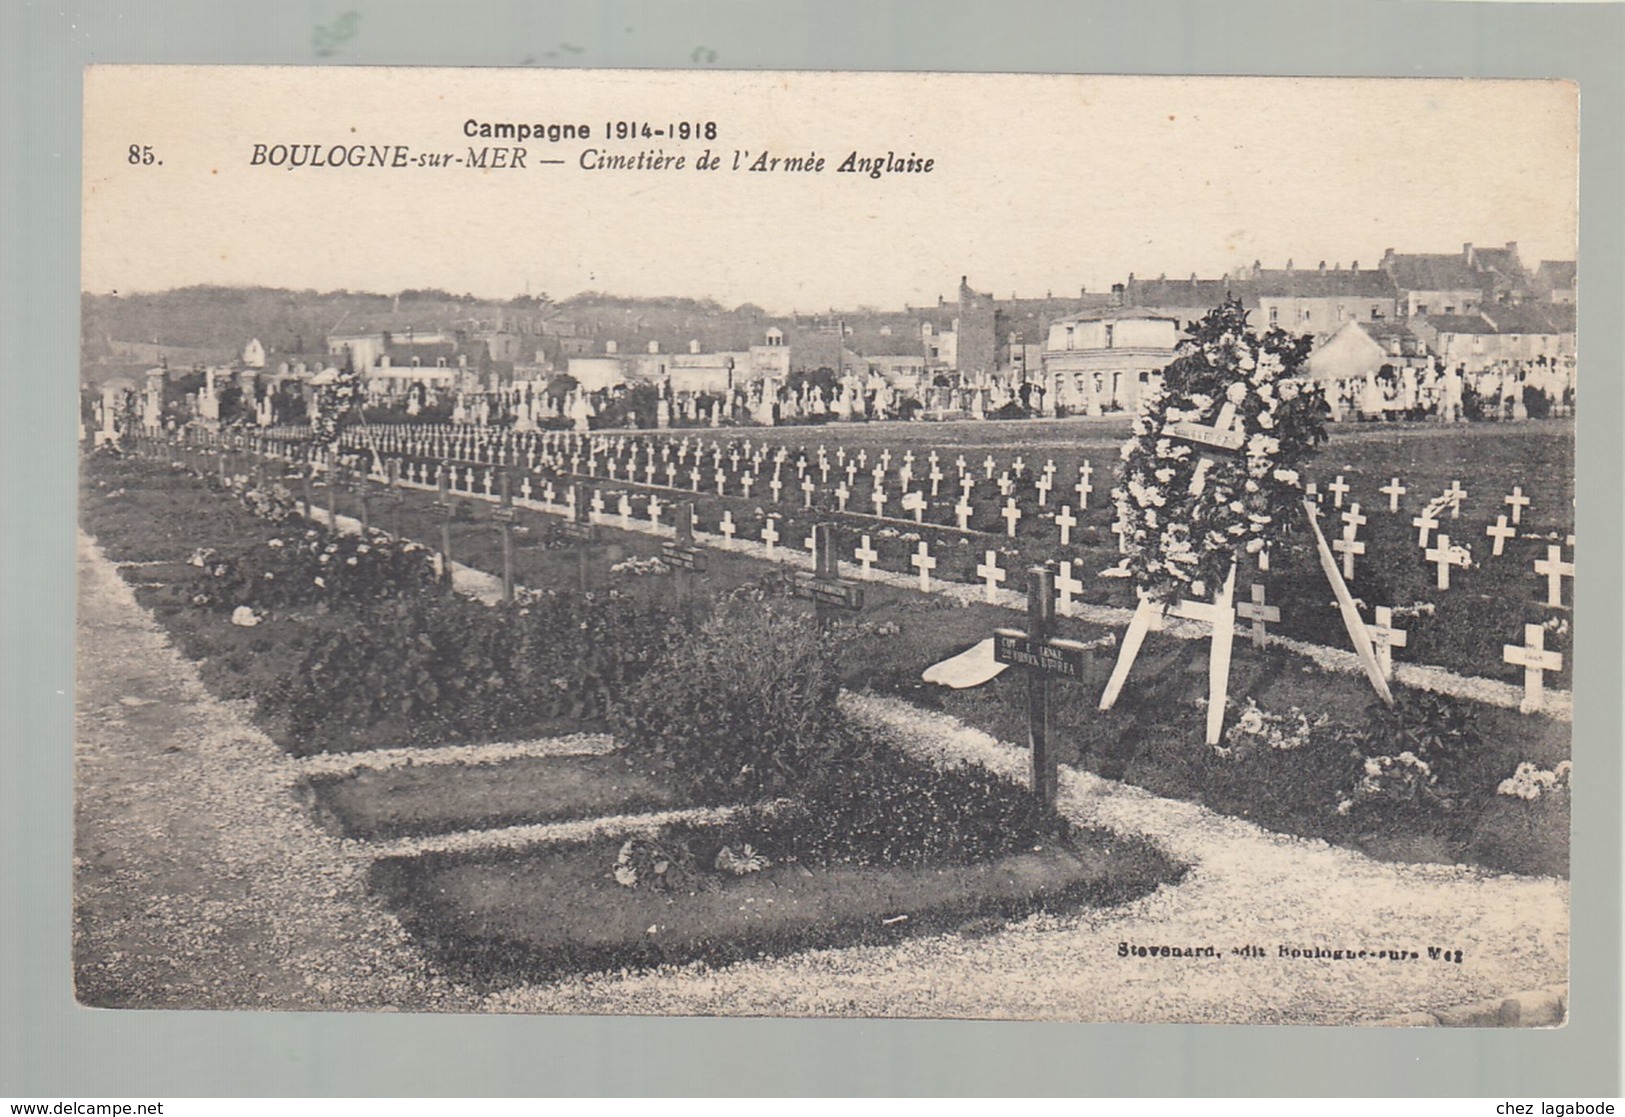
[[1044, 656], [682, 555], [1223, 435], [1535, 660], [825, 587]]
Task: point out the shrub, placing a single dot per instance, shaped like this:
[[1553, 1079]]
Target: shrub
[[446, 669], [887, 808], [746, 706], [309, 568], [1419, 762]]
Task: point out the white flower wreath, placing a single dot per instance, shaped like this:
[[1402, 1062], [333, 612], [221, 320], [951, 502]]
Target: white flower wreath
[[1213, 469]]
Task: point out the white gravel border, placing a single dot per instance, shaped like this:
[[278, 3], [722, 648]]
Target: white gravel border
[[384, 760]]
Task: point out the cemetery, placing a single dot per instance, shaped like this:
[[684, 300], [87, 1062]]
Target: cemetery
[[642, 658]]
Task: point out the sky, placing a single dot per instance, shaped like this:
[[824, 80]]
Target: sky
[[1038, 183]]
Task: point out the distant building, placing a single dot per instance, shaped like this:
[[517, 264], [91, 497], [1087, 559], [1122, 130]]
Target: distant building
[[1435, 283], [1555, 281], [1107, 359], [1320, 301]]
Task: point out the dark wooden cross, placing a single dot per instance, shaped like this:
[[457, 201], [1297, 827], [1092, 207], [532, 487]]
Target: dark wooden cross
[[504, 514], [1043, 655], [581, 528], [443, 505], [825, 587], [685, 559], [358, 485]]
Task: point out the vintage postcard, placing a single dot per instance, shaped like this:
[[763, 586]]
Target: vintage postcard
[[827, 544]]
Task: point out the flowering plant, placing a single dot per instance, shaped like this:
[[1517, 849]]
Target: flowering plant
[[1529, 782], [1257, 727], [1192, 509]]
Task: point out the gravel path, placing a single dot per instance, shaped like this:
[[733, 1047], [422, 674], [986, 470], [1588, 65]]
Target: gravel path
[[202, 882]]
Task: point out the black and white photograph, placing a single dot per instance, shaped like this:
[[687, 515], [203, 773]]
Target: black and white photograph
[[723, 543]]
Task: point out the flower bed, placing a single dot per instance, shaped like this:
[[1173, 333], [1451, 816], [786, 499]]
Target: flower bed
[[504, 918]]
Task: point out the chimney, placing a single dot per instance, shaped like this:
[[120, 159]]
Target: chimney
[[1323, 267], [1120, 294], [1193, 279], [1082, 291], [1289, 263], [1355, 266], [1467, 253]]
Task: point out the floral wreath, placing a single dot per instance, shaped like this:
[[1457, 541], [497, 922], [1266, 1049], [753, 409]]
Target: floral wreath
[[334, 402], [1212, 470]]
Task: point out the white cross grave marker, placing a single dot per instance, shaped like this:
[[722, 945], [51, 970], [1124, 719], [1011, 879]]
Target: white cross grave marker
[[962, 512], [770, 534], [1394, 490], [1066, 521], [924, 563], [1444, 556], [914, 501], [726, 527], [1424, 525], [1555, 570], [879, 500], [654, 509], [1339, 489], [1500, 531], [1065, 586], [1259, 614], [842, 494], [1535, 660], [1012, 515], [991, 575], [1518, 502], [1084, 488], [1385, 638], [866, 555], [807, 490], [1456, 494]]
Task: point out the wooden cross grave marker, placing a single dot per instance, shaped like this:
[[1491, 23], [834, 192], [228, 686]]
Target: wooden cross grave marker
[[991, 576], [825, 587], [1555, 570], [1259, 614], [1339, 489], [503, 514], [1500, 532], [1066, 521], [1043, 655], [682, 555], [1084, 488], [1385, 638], [581, 528], [1066, 587], [914, 501], [1535, 660], [770, 534], [1444, 556], [962, 513], [1518, 502], [866, 556], [1224, 435], [443, 504], [924, 563], [1456, 494], [1012, 515]]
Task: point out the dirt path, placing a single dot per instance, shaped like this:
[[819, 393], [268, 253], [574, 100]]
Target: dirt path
[[200, 880]]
